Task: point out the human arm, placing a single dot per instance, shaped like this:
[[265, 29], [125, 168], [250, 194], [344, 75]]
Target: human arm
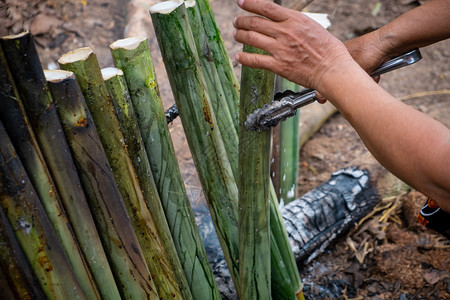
[[419, 27], [410, 144]]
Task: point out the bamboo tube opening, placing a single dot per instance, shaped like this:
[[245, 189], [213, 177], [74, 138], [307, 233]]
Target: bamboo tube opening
[[128, 43], [56, 76], [165, 7], [189, 3], [79, 54], [110, 72], [15, 36]]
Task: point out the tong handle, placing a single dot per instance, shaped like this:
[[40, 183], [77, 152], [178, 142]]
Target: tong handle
[[398, 62], [308, 96]]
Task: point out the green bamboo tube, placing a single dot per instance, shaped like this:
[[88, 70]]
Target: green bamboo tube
[[275, 162], [84, 64], [132, 55], [115, 229], [257, 88], [289, 152], [282, 286], [28, 75], [222, 61], [199, 122], [14, 265], [13, 115], [286, 282], [120, 97], [32, 227], [213, 84]]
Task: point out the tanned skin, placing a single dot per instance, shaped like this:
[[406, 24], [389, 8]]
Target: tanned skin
[[410, 144]]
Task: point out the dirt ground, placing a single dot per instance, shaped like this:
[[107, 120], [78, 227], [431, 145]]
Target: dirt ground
[[388, 256]]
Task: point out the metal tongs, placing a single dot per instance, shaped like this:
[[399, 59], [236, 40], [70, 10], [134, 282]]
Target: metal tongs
[[285, 103]]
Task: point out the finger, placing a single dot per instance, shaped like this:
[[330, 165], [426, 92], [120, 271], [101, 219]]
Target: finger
[[259, 61], [254, 39], [255, 23], [266, 9], [321, 99]]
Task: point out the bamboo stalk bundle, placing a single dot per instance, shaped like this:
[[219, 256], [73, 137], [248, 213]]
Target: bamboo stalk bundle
[[213, 84], [16, 123], [132, 55], [33, 91], [84, 64], [121, 100], [282, 242], [219, 56], [33, 230], [14, 265], [257, 88], [199, 122], [115, 229], [289, 151]]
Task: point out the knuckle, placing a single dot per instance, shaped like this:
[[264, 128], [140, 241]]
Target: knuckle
[[252, 37], [253, 23], [253, 60], [267, 8]]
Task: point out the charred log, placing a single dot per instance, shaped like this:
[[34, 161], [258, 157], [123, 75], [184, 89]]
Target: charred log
[[313, 221]]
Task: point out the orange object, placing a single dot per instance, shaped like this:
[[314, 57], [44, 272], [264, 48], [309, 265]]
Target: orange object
[[433, 217]]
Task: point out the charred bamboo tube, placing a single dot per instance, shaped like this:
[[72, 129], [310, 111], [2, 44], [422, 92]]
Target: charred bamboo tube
[[28, 75], [120, 97], [32, 227], [5, 288], [289, 152], [257, 88], [115, 229], [16, 123], [213, 84], [84, 64], [199, 122], [222, 61], [14, 264], [132, 55]]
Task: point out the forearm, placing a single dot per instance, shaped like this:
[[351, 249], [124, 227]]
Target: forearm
[[413, 146], [419, 27]]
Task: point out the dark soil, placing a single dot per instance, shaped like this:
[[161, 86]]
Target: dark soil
[[388, 256]]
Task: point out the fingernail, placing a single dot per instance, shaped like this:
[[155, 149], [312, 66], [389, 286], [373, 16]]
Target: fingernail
[[237, 57], [234, 21], [234, 33], [240, 2]]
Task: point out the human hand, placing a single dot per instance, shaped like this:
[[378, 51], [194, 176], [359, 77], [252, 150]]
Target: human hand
[[367, 52], [299, 49]]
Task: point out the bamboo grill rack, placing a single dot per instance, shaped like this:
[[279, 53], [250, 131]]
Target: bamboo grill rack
[[122, 226]]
